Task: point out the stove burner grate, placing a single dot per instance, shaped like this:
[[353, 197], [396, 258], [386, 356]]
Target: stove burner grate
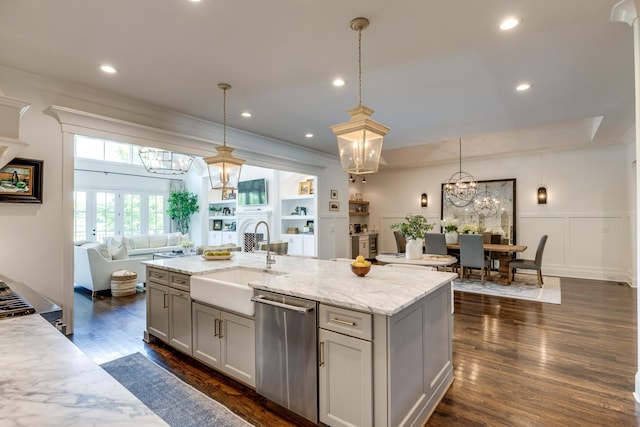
[[12, 304]]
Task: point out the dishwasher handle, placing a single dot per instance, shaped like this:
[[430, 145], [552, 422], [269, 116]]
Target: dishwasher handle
[[261, 299]]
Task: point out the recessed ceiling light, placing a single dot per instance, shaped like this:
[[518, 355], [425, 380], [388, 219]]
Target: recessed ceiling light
[[523, 86], [195, 1], [246, 114], [308, 135], [108, 68], [509, 23], [338, 82]]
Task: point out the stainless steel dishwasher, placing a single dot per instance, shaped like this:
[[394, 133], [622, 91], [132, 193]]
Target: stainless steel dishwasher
[[286, 355]]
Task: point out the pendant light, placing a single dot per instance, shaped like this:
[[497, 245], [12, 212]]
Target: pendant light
[[164, 162], [461, 188], [360, 139], [224, 169]]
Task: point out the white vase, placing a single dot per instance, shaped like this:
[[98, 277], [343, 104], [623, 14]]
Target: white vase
[[413, 249], [451, 237]]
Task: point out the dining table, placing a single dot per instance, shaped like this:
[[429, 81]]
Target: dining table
[[428, 260], [504, 257]]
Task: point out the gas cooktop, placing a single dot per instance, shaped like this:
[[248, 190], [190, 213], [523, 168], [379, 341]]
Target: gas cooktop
[[12, 304]]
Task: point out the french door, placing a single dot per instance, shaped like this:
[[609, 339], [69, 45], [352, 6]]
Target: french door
[[101, 213]]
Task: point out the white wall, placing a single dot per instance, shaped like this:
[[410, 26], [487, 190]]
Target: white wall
[[587, 216], [40, 234]]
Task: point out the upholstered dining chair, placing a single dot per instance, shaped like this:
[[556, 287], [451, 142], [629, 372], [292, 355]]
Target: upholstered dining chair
[[530, 264], [435, 243], [401, 242], [472, 256]]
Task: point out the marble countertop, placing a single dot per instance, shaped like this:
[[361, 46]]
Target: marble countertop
[[383, 291], [47, 381]]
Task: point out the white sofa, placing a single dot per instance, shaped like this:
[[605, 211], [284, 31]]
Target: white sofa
[[142, 245], [94, 264]]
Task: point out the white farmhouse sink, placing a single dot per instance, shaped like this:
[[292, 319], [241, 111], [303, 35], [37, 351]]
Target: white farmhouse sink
[[228, 289]]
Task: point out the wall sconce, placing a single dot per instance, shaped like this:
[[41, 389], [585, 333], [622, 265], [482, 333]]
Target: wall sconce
[[423, 200], [542, 195]]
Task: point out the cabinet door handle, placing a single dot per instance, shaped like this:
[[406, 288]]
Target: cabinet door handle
[[215, 327], [321, 353], [343, 322], [164, 301], [220, 329]]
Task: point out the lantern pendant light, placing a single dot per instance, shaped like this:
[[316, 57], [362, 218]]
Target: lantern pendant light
[[360, 139], [224, 169]]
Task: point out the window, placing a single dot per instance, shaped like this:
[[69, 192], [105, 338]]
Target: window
[[105, 215], [156, 213], [111, 151], [131, 213]]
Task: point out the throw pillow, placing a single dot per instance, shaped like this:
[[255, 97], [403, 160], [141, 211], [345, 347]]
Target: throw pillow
[[128, 242], [103, 250], [157, 240], [118, 252], [173, 239], [141, 241]]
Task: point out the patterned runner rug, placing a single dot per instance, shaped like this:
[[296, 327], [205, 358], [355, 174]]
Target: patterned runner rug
[[173, 400], [525, 286]]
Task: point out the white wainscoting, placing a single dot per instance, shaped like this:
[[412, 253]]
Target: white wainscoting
[[584, 245]]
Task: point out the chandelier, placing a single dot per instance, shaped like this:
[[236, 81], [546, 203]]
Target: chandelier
[[461, 188], [360, 139], [486, 204], [164, 162], [224, 169]]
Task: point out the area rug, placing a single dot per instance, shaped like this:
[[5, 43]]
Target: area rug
[[175, 401], [524, 286]]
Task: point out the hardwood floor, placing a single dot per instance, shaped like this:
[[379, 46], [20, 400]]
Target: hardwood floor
[[516, 363]]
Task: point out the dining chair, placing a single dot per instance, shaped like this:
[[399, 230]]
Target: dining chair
[[530, 264], [472, 256], [435, 243], [401, 242]]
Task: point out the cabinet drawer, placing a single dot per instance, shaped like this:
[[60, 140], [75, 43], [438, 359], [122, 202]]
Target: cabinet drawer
[[180, 281], [348, 322], [158, 276]]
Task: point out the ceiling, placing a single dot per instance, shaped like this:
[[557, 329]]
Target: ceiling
[[432, 71]]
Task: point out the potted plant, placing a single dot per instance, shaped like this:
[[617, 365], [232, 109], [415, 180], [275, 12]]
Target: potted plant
[[413, 229], [450, 226], [181, 205]]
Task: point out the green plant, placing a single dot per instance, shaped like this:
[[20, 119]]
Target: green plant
[[181, 205], [414, 227]]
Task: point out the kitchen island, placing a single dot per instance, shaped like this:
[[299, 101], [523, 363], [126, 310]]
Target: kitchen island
[[387, 336]]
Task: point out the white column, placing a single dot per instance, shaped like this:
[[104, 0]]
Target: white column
[[625, 11]]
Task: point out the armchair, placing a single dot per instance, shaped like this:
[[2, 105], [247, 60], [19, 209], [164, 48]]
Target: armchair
[[92, 269]]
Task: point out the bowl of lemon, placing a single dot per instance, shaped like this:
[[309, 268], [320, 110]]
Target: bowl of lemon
[[360, 266], [217, 255]]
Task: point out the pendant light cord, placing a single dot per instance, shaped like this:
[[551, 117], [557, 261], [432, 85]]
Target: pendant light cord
[[359, 67], [224, 117], [460, 148]]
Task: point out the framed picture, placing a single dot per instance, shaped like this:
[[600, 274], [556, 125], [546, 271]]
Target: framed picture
[[21, 181], [217, 224], [334, 194], [334, 206], [228, 194], [305, 187]]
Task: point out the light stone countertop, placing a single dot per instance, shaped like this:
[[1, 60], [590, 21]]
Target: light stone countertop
[[46, 380], [384, 290]]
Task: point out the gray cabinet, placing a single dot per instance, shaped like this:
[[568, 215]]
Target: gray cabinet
[[158, 310], [169, 308], [345, 368], [224, 341]]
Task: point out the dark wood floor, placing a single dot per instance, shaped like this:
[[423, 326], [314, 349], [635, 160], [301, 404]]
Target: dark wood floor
[[517, 363]]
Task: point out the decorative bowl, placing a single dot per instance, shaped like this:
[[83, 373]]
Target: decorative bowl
[[360, 271], [217, 257]]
